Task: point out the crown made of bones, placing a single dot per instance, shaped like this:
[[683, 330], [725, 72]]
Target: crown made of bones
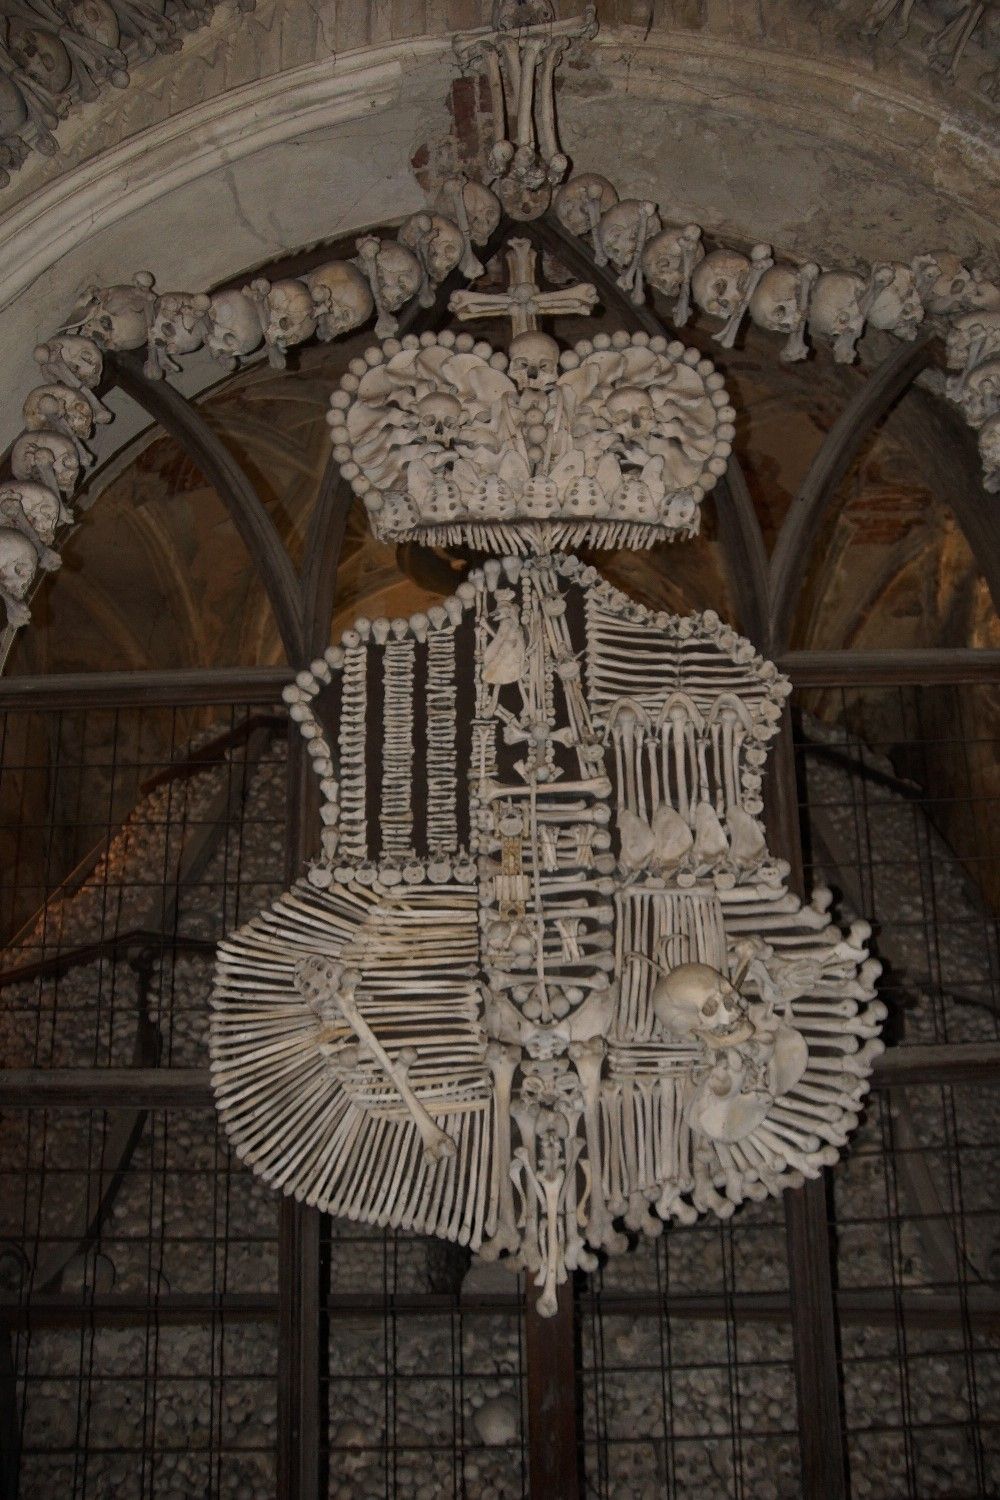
[[613, 442]]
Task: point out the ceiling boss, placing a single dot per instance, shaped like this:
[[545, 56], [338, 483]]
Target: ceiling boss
[[546, 984]]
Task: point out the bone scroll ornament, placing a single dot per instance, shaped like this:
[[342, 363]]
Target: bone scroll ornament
[[546, 984]]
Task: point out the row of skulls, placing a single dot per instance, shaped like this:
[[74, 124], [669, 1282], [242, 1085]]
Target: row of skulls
[[833, 306], [56, 52]]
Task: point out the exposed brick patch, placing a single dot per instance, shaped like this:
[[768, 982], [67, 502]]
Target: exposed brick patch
[[464, 149]]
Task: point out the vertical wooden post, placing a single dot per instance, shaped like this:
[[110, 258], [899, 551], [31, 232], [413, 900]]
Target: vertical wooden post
[[822, 1445], [299, 1423], [550, 1351]]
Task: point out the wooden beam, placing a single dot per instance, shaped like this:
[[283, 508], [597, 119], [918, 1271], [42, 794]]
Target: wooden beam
[[550, 1351], [954, 1065], [106, 1088], [187, 687], [890, 668]]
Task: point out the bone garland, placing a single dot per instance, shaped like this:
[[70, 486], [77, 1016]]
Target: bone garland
[[353, 746], [397, 751], [598, 1033], [442, 782]]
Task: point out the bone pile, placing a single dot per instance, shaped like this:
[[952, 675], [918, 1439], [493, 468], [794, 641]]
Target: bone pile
[[592, 1008]]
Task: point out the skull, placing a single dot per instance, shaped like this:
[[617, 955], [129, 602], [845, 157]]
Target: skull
[[585, 498], [69, 352], [634, 501], [233, 327], [117, 317], [179, 322], [972, 338], [622, 226], [18, 566], [285, 309], [580, 203], [398, 273], [477, 202], [439, 416], [437, 240], [58, 406], [40, 508], [670, 257], [41, 55], [947, 286], [50, 458], [534, 361], [979, 394], [630, 412], [95, 19], [719, 281], [341, 298], [775, 301], [897, 307], [837, 311], [540, 500], [989, 452], [491, 499], [695, 1000]]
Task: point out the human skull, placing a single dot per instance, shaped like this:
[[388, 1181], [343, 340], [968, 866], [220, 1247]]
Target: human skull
[[534, 361], [897, 307], [694, 999], [585, 498], [50, 458], [623, 225], [989, 453], [116, 317], [580, 203], [285, 309], [18, 566], [947, 286], [979, 394], [437, 240], [972, 338], [41, 55], [837, 311], [69, 351], [540, 500], [630, 412], [439, 416], [774, 304], [719, 281], [95, 19], [58, 406], [233, 327], [179, 321], [399, 275], [341, 298], [670, 257], [39, 506]]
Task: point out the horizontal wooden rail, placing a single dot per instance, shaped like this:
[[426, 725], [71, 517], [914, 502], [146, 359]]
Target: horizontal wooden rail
[[890, 668], [182, 688]]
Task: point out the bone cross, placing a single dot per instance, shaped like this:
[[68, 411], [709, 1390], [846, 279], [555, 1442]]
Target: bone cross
[[523, 302]]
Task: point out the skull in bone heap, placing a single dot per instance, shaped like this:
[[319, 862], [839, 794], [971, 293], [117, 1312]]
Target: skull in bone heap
[[117, 317], [534, 362], [581, 203], [670, 257], [480, 204], [622, 228], [837, 313], [342, 299], [18, 566], [719, 281], [436, 240], [41, 55], [50, 458], [58, 407], [95, 19], [989, 453], [439, 417], [285, 310], [69, 357], [693, 997], [630, 413], [972, 338], [399, 274], [39, 507], [774, 304], [897, 308], [979, 394], [947, 286], [233, 327], [179, 322]]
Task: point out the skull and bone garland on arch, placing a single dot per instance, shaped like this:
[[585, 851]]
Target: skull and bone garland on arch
[[524, 175], [546, 983]]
